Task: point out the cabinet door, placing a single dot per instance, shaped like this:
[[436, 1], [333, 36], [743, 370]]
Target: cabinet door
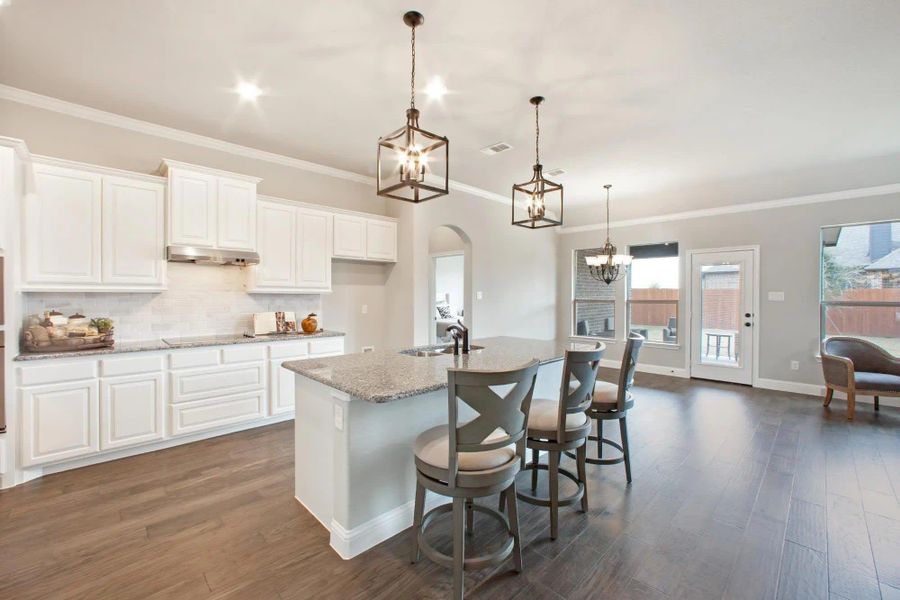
[[281, 390], [192, 208], [59, 421], [381, 240], [134, 241], [349, 236], [313, 249], [277, 234], [131, 410], [237, 215], [62, 227]]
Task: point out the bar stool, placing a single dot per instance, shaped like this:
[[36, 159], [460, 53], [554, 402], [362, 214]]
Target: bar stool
[[611, 402], [474, 459], [557, 425]]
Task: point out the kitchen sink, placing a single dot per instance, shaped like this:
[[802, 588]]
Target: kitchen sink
[[437, 350]]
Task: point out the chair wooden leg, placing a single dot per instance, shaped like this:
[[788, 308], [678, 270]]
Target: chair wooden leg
[[553, 459], [417, 520], [459, 546], [876, 403], [513, 512], [581, 457], [851, 405], [623, 430], [470, 516], [829, 394], [535, 458]]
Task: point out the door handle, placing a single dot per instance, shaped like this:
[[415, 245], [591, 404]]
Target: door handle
[[747, 315], [747, 324]]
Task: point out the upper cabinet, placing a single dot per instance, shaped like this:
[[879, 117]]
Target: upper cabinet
[[364, 238], [90, 231], [294, 249], [211, 209]]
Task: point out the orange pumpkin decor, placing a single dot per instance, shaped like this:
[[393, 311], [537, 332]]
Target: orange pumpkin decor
[[310, 324]]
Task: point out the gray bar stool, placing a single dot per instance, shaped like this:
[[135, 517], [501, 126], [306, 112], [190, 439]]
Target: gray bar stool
[[559, 424], [612, 402], [474, 459]]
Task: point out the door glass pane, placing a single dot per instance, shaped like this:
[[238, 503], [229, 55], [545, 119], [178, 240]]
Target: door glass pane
[[721, 288]]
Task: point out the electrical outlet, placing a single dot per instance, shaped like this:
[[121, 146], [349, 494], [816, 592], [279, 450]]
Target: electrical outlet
[[795, 365], [338, 417], [368, 348], [365, 309], [479, 295], [776, 296]]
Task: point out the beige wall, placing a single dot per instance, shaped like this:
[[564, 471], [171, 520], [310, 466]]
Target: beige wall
[[789, 262]]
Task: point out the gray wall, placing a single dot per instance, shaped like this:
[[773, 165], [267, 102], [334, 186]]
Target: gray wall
[[789, 262]]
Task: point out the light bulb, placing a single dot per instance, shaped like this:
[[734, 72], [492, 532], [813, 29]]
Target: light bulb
[[412, 165], [536, 208]]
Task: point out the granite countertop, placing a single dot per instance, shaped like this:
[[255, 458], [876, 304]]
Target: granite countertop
[[387, 375], [175, 343]]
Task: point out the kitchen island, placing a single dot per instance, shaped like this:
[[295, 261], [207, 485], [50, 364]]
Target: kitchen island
[[358, 415]]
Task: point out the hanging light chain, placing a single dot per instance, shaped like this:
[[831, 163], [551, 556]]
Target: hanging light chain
[[412, 75], [607, 211], [537, 136]]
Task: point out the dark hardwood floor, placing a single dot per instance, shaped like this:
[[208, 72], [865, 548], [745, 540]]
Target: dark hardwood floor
[[737, 493]]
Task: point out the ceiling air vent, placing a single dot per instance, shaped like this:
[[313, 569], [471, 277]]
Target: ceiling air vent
[[556, 172], [496, 148]]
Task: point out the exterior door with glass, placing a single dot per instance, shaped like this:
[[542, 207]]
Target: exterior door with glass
[[723, 315]]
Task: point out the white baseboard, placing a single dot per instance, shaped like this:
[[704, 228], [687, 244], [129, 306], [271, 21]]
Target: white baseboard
[[812, 389], [352, 542], [645, 368]]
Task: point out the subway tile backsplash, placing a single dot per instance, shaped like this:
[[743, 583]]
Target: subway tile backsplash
[[201, 300]]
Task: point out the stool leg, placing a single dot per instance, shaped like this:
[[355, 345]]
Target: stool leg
[[581, 454], [502, 505], [876, 403], [459, 546], [599, 438], [535, 458], [623, 430], [470, 516], [417, 520], [553, 458], [512, 510]]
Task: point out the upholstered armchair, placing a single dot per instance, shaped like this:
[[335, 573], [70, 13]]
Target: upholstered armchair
[[856, 366]]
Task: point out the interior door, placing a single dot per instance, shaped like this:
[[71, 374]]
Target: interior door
[[722, 315]]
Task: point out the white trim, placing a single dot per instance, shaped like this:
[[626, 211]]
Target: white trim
[[865, 192], [818, 390], [611, 363], [353, 542], [168, 163], [330, 209], [82, 166]]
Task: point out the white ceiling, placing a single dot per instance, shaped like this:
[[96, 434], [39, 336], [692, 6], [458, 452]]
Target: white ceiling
[[680, 105]]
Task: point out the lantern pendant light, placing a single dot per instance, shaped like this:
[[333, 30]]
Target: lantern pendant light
[[537, 203], [412, 162], [609, 265]]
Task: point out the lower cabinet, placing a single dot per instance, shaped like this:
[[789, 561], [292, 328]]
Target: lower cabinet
[[60, 421], [131, 410], [281, 386], [190, 417]]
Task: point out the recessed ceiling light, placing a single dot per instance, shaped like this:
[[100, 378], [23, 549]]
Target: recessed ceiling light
[[435, 89], [248, 91]]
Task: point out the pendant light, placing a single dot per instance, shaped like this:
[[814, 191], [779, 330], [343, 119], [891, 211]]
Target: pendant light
[[412, 162], [608, 266], [540, 201]]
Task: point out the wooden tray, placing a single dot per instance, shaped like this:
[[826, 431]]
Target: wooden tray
[[72, 344]]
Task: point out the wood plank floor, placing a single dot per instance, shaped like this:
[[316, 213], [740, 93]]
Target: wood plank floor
[[737, 493]]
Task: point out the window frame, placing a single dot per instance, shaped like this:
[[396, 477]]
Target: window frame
[[825, 304], [573, 321], [629, 301]]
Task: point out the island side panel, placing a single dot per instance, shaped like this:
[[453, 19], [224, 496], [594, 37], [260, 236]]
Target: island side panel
[[314, 439]]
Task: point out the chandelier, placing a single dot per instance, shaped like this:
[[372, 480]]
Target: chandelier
[[412, 162], [540, 201], [608, 266]]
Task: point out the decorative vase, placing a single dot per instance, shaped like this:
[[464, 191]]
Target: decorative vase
[[310, 324]]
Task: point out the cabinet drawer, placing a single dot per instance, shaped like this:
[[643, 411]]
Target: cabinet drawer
[[294, 350], [56, 372], [326, 346], [243, 353], [190, 359], [217, 412], [220, 381], [114, 367]]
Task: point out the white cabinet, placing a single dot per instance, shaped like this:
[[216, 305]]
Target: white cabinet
[[131, 410], [212, 413], [381, 240], [209, 208], [62, 227], [362, 238], [59, 421], [133, 240], [349, 236], [294, 249], [237, 215], [281, 386]]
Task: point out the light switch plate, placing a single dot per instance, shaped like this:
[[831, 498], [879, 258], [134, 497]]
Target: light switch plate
[[776, 296], [479, 295]]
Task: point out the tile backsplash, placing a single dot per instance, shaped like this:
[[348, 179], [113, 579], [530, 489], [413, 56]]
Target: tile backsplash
[[201, 300]]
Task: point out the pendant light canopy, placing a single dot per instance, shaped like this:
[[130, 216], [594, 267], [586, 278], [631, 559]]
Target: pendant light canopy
[[609, 265], [537, 203], [412, 162]]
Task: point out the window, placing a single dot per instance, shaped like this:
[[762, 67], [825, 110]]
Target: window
[[594, 302], [652, 302], [860, 283]]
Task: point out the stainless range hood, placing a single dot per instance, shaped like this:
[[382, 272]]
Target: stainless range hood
[[211, 256]]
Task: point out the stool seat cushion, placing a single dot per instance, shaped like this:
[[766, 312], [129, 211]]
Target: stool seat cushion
[[433, 447], [544, 416]]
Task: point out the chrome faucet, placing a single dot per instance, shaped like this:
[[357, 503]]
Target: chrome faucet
[[456, 332]]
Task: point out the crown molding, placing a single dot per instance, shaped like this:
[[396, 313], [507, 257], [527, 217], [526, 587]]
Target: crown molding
[[81, 166], [866, 192]]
